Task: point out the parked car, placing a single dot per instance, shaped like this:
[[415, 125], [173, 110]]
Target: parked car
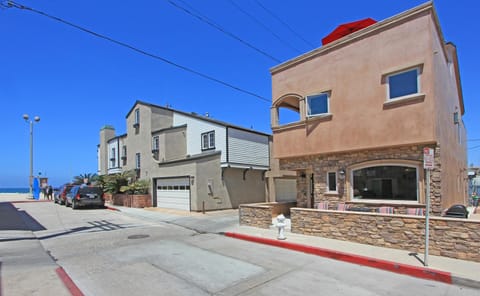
[[60, 195], [80, 196]]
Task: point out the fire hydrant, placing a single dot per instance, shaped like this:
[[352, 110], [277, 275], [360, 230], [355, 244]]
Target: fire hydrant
[[281, 227]]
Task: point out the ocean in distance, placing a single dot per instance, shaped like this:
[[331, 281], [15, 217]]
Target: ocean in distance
[[14, 190]]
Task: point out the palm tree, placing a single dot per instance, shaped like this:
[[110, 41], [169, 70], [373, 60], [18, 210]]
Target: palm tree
[[85, 178]]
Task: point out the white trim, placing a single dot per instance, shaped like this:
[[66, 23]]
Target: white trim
[[308, 115], [387, 82]]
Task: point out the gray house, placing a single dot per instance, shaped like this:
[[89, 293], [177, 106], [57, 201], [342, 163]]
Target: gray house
[[194, 162]]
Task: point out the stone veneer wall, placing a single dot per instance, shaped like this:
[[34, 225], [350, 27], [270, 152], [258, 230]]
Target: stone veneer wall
[[455, 238], [260, 215], [321, 164]]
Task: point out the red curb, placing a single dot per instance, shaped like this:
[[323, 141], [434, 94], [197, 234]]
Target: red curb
[[419, 272], [67, 281], [112, 209]]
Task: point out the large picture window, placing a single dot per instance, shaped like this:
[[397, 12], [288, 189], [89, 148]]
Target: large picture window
[[318, 104], [386, 182], [403, 83]]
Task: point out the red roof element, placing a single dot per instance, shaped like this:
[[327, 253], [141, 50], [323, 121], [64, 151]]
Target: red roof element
[[348, 28]]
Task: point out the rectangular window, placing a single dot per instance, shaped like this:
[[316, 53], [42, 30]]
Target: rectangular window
[[137, 116], [388, 182], [137, 160], [155, 143], [112, 157], [124, 154], [332, 181], [318, 104], [403, 83], [208, 140]]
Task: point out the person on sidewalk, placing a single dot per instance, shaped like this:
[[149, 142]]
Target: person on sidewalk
[[475, 199], [49, 192]]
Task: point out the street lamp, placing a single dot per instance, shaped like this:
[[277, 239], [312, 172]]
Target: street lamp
[[35, 119]]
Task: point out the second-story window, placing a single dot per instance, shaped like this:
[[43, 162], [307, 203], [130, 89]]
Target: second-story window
[[155, 143], [318, 104], [137, 117], [208, 140], [137, 161], [112, 157], [403, 83], [124, 154]]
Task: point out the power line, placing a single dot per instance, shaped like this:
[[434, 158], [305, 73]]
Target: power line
[[264, 26], [10, 4], [284, 23], [212, 24]]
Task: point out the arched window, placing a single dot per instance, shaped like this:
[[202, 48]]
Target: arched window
[[391, 182], [287, 109]]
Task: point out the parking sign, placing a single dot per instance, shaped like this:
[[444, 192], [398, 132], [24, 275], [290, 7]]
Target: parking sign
[[428, 158]]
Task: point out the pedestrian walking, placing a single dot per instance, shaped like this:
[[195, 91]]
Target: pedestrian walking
[[49, 192], [475, 199]]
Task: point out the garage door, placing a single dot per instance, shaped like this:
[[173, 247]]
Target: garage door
[[173, 193], [286, 189]]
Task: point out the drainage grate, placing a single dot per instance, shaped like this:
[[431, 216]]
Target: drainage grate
[[138, 236]]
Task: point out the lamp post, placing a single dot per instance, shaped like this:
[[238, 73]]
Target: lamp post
[[35, 119]]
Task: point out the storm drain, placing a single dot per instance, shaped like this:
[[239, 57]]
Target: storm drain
[[138, 236]]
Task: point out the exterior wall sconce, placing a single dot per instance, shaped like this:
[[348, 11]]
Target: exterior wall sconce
[[192, 180], [341, 173]]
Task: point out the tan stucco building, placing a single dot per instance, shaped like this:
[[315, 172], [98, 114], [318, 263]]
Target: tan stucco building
[[367, 105], [194, 162]]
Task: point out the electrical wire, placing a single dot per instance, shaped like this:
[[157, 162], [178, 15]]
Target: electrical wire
[[474, 147], [284, 23], [264, 26], [10, 4], [219, 28]]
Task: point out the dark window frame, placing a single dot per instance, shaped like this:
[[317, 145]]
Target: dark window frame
[[208, 140]]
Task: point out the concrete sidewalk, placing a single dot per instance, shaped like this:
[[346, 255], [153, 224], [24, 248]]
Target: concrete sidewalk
[[448, 270]]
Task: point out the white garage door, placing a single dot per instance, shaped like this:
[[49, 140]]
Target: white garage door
[[173, 193], [285, 189]]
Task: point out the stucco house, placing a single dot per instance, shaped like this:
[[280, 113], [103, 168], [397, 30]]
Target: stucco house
[[194, 162], [366, 104]]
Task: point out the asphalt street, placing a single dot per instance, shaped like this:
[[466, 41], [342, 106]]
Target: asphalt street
[[112, 253]]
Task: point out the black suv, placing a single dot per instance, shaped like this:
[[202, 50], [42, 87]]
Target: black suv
[[82, 195]]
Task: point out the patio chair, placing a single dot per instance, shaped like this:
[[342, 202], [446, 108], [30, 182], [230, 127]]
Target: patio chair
[[342, 206], [416, 211], [323, 205], [385, 210]]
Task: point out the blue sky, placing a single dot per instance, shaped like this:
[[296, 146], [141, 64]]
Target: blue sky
[[78, 83]]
